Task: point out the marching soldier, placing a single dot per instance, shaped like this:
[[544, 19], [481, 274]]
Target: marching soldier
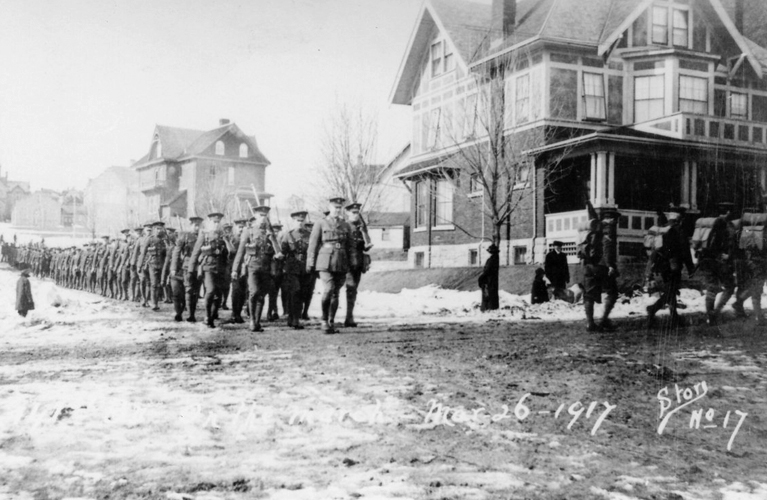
[[180, 265], [599, 256], [152, 259], [210, 256], [666, 263], [357, 260], [170, 244], [122, 268], [138, 240], [143, 271], [715, 262], [276, 284], [753, 271], [227, 282], [297, 281], [328, 253], [311, 282], [255, 254], [239, 285]]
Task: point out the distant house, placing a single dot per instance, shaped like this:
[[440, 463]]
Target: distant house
[[10, 193], [389, 230], [39, 210], [189, 172], [112, 200], [73, 211]]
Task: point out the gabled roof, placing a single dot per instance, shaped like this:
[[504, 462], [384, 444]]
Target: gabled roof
[[387, 219], [177, 143], [598, 23]]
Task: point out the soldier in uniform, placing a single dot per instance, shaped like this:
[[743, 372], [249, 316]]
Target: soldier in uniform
[[297, 282], [143, 271], [753, 274], [328, 253], [227, 283], [665, 266], [255, 254], [152, 259], [239, 285], [276, 284], [138, 238], [121, 267], [311, 282], [170, 244], [357, 264], [715, 263], [180, 266], [102, 259], [601, 268], [210, 256]]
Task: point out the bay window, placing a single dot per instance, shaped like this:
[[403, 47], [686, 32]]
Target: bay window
[[649, 97], [739, 106], [594, 96], [660, 25], [422, 203], [693, 95]]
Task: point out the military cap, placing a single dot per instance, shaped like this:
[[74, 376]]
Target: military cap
[[240, 222], [158, 223], [299, 213], [337, 199], [309, 224], [277, 226], [353, 206], [215, 214], [557, 243], [125, 231], [326, 213], [139, 229], [725, 205], [194, 219], [228, 225], [493, 248], [252, 219], [171, 229], [105, 236], [264, 209]]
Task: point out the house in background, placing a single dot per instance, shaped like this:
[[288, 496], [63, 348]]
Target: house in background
[[112, 200], [188, 172], [39, 210], [10, 193], [637, 104]]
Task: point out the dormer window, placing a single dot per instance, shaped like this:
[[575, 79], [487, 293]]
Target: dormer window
[[243, 150], [660, 25], [220, 148], [156, 149], [681, 28], [442, 59]]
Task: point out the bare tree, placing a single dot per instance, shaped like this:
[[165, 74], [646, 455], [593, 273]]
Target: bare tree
[[217, 195], [488, 158], [348, 152]]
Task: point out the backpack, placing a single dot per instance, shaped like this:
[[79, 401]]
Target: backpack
[[585, 242], [701, 237], [752, 232]]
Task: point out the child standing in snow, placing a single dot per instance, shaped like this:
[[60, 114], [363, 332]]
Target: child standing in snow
[[24, 300], [539, 294]]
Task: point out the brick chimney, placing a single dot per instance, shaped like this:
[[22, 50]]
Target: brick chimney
[[223, 121], [504, 19], [739, 14]]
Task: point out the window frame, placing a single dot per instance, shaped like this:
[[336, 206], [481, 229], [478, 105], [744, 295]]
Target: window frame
[[444, 198], [653, 24], [244, 148], [692, 99], [662, 99], [600, 77], [220, 148], [732, 114], [422, 201], [522, 101], [436, 63], [675, 29]]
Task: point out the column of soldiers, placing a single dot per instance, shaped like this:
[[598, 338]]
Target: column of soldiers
[[250, 262]]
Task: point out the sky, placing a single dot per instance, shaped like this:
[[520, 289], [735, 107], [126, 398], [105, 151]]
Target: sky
[[84, 82]]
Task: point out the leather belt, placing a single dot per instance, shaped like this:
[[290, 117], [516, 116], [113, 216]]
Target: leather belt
[[331, 244]]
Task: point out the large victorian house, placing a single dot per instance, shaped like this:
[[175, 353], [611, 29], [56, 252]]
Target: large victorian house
[[637, 104], [190, 172]]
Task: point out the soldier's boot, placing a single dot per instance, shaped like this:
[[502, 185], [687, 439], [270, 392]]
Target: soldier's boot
[[737, 306], [351, 298], [257, 306], [756, 304], [606, 324], [711, 313], [721, 301], [209, 313], [156, 298], [332, 315], [651, 310], [168, 294], [326, 328], [178, 306], [224, 298], [295, 307], [191, 305], [591, 326]]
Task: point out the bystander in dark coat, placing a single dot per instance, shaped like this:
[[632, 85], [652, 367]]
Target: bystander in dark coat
[[488, 280], [24, 301]]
